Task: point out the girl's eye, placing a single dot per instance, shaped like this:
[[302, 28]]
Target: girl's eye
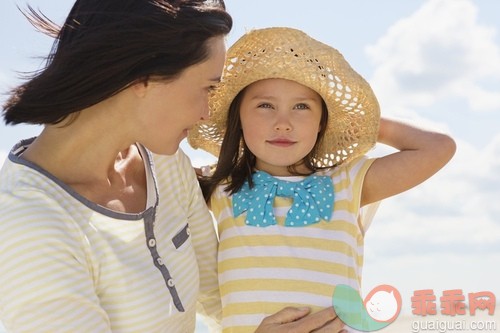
[[265, 106], [302, 106]]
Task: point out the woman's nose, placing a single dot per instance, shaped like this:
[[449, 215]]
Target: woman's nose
[[205, 113]]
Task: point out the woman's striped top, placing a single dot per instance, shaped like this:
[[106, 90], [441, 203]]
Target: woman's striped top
[[69, 265]]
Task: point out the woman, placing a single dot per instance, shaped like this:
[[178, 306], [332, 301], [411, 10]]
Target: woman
[[103, 226]]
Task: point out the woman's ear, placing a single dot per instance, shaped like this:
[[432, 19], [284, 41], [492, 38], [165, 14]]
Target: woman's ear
[[140, 87]]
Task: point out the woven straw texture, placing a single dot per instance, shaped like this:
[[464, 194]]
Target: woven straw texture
[[285, 53]]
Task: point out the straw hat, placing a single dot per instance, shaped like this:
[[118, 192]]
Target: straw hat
[[285, 53]]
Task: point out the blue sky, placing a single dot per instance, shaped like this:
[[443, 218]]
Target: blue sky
[[433, 62]]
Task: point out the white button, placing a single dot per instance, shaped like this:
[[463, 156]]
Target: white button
[[159, 261], [170, 283], [152, 242], [188, 231]]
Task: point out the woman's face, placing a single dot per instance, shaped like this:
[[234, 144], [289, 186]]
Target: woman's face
[[170, 109]]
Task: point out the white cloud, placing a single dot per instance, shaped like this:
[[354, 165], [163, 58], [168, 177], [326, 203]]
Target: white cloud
[[3, 156], [428, 65], [438, 52], [444, 233], [441, 271], [455, 210]]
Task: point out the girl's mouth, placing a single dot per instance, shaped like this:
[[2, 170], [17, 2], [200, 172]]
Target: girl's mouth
[[281, 142]]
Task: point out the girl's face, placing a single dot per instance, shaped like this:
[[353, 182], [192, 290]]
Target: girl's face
[[170, 109], [280, 120]]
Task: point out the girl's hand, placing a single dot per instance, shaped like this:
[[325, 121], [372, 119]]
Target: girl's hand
[[204, 171]]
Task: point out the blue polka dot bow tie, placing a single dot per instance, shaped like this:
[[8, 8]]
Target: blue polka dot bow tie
[[312, 200]]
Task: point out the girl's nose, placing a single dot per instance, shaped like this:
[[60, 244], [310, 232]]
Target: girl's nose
[[283, 124]]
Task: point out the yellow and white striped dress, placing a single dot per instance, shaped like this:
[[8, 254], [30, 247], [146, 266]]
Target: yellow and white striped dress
[[263, 269]]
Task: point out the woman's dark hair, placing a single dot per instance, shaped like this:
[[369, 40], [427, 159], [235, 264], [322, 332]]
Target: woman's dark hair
[[236, 162], [105, 46]]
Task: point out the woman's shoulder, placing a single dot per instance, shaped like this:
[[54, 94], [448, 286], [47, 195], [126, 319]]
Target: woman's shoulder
[[30, 202], [20, 178]]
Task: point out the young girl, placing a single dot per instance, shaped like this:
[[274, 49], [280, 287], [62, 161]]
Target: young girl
[[293, 192]]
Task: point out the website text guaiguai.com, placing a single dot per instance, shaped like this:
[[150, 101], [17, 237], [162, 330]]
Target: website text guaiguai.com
[[445, 326]]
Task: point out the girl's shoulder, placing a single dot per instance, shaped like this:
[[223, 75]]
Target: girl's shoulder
[[352, 167]]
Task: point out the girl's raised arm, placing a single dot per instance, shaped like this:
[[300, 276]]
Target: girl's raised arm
[[421, 154]]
